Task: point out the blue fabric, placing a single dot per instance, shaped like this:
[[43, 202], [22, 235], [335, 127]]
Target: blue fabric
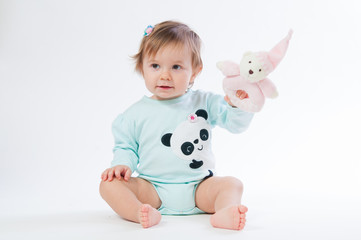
[[138, 134], [177, 198]]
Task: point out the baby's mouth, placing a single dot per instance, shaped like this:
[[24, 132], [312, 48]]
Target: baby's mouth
[[165, 87], [201, 148]]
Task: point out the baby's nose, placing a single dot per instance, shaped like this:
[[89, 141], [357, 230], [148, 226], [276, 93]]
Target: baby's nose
[[250, 71], [165, 75]]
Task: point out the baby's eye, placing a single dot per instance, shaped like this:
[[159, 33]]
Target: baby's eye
[[260, 70], [155, 66], [176, 67], [250, 62]]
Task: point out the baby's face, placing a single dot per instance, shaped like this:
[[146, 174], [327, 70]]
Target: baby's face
[[169, 72]]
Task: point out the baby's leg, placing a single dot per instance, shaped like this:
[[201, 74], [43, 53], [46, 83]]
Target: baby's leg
[[222, 196], [135, 200]]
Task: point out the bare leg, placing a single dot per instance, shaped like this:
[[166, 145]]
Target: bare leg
[[222, 196], [135, 200]]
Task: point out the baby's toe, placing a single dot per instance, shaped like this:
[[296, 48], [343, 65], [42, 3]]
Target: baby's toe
[[243, 209]]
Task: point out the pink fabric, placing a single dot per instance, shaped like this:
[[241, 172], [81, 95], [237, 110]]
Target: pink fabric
[[258, 89], [277, 53]]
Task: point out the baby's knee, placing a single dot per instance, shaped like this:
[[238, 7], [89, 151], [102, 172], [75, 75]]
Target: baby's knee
[[103, 188], [232, 183], [106, 187]]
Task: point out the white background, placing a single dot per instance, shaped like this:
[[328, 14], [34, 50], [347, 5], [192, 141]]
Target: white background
[[66, 73]]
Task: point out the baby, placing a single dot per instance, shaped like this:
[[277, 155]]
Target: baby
[[166, 139]]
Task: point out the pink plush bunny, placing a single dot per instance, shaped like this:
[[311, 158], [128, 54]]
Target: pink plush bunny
[[251, 76]]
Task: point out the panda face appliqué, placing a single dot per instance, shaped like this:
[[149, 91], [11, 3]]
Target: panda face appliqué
[[191, 140], [189, 147]]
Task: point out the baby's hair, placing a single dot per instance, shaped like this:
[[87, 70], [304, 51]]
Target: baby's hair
[[165, 33]]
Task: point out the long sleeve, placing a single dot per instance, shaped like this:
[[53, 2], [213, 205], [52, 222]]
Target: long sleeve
[[225, 116], [139, 131], [126, 148]]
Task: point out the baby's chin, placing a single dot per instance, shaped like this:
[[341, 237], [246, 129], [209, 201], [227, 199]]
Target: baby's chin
[[165, 96]]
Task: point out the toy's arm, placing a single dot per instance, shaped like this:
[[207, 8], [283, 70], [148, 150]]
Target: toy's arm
[[228, 68], [268, 88]]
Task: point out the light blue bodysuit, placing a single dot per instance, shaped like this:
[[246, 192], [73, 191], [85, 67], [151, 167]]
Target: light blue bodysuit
[[168, 143]]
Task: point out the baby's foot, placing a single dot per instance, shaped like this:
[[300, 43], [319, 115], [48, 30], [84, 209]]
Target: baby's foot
[[233, 217], [149, 216]]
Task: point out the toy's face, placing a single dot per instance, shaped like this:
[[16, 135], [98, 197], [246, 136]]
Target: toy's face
[[252, 68]]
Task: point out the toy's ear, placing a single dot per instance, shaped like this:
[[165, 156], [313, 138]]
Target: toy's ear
[[228, 68], [166, 139], [247, 54], [202, 113]]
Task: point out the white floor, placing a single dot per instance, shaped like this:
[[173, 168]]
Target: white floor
[[268, 218], [65, 74]]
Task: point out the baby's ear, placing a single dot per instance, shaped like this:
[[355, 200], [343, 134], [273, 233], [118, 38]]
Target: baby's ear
[[166, 139], [195, 73]]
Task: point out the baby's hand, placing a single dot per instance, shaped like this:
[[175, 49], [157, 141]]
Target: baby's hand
[[118, 172], [240, 94]]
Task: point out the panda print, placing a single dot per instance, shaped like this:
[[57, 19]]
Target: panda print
[[191, 141]]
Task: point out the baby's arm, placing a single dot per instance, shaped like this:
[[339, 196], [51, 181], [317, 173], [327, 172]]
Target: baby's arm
[[226, 116], [118, 171], [125, 148]]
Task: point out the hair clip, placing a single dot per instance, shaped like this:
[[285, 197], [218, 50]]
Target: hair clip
[[148, 30]]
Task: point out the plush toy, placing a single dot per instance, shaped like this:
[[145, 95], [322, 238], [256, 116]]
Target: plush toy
[[251, 76]]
